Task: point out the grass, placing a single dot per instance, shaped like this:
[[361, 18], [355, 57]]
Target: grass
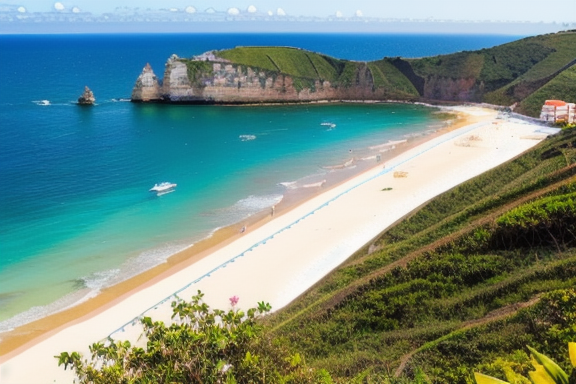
[[561, 87], [290, 61], [560, 52]]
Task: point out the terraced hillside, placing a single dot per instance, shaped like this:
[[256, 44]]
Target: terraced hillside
[[463, 284]]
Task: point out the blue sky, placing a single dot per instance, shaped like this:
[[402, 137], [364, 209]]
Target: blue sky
[[512, 10]]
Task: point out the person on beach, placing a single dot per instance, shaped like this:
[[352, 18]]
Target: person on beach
[[243, 229], [273, 209]]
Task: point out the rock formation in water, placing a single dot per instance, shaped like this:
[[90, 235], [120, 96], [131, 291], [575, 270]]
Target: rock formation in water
[[147, 87], [87, 98]]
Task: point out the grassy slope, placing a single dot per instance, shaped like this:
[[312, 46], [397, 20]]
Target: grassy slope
[[506, 73], [561, 87], [436, 291], [390, 78], [289, 61], [562, 47]]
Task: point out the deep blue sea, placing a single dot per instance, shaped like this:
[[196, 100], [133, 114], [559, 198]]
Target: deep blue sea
[[75, 211]]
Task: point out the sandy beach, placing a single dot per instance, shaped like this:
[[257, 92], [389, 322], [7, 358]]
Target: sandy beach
[[279, 259]]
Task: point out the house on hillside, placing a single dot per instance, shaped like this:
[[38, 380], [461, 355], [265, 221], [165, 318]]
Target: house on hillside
[[558, 111]]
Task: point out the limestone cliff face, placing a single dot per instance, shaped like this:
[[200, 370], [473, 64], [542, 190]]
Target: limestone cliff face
[[147, 87], [196, 81], [452, 89]]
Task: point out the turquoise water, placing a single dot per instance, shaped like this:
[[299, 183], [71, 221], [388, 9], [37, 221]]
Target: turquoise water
[[77, 216]]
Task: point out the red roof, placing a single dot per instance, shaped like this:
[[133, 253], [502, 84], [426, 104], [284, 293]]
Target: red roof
[[556, 103]]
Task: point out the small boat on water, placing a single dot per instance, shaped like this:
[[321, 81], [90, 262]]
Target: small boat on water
[[164, 187]]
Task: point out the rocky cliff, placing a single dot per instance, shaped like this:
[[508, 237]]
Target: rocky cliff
[[217, 80], [147, 87]]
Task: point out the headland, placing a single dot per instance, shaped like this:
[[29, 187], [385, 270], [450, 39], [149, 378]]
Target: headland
[[517, 75]]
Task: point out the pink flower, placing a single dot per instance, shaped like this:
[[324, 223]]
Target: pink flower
[[234, 300]]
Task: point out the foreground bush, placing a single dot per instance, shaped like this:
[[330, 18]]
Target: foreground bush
[[546, 371], [201, 346]]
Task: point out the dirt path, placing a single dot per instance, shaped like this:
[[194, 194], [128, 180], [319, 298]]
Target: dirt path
[[495, 315]]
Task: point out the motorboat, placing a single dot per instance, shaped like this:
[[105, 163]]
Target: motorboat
[[328, 124], [164, 187]]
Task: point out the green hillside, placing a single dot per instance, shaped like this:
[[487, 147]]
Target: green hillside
[[476, 274], [561, 87], [289, 61], [500, 75], [563, 48]]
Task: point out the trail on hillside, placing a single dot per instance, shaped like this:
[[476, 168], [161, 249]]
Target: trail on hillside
[[497, 314]]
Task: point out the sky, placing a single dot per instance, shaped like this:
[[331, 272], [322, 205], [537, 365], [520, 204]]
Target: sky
[[476, 10]]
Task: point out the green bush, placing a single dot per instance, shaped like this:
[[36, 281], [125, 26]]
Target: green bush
[[200, 346]]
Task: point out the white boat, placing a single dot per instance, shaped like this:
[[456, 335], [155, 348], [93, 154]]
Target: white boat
[[164, 187]]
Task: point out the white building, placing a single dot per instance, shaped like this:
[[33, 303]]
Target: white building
[[558, 111]]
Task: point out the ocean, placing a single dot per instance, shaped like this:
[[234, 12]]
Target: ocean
[[76, 214]]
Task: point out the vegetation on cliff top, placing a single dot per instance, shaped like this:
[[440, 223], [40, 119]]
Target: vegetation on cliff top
[[289, 61]]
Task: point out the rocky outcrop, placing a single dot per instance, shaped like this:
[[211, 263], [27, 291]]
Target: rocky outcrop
[[177, 87], [147, 87], [87, 98]]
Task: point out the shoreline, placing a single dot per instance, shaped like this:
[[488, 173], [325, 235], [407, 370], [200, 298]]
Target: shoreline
[[295, 275], [16, 339]]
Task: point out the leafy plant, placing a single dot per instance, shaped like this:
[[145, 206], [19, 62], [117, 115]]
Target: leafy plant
[[200, 346], [546, 371]]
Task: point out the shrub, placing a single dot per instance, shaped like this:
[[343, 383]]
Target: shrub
[[200, 346]]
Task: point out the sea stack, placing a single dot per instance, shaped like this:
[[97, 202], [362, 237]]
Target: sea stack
[[87, 98], [147, 87]]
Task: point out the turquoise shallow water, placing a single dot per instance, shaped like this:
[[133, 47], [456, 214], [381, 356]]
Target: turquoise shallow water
[[77, 215]]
